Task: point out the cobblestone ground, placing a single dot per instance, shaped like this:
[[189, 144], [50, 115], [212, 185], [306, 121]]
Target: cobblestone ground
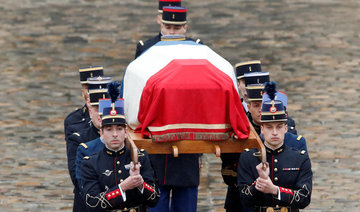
[[311, 49]]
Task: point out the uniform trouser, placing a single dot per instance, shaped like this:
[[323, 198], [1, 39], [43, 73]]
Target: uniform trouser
[[233, 201], [183, 199]]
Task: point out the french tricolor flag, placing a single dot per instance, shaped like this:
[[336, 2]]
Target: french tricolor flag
[[181, 90]]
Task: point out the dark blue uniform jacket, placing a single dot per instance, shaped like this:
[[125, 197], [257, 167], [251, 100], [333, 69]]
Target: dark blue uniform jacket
[[290, 169], [84, 151], [104, 171]]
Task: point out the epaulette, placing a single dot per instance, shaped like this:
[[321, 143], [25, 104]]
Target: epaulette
[[247, 150], [302, 152], [84, 145], [75, 133], [299, 137], [86, 158], [142, 150], [141, 42], [84, 109], [198, 40]]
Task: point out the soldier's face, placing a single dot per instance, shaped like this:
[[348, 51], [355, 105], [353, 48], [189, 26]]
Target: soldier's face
[[114, 136], [242, 89], [255, 110], [171, 29], [94, 115], [84, 91], [274, 133]]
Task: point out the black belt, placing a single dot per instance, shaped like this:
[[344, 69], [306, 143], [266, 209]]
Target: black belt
[[274, 209]]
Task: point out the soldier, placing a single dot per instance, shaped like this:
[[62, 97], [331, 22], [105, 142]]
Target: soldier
[[229, 165], [284, 182], [85, 150], [110, 180], [88, 133], [230, 160], [254, 83], [283, 97], [173, 22], [80, 118], [241, 69], [142, 46], [255, 98]]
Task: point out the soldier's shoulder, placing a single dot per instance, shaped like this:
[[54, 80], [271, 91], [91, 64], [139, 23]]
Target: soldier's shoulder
[[293, 137], [76, 117], [74, 114], [250, 153], [300, 138], [198, 40], [296, 154], [152, 41]]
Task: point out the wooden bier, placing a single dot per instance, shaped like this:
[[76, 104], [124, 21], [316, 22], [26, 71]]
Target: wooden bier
[[199, 146]]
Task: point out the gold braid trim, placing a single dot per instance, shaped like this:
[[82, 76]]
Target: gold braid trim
[[102, 200], [154, 194], [246, 190], [297, 194], [190, 135]]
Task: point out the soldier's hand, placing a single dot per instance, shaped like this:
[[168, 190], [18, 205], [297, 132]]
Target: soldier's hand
[[266, 186], [132, 182], [263, 170], [134, 169]]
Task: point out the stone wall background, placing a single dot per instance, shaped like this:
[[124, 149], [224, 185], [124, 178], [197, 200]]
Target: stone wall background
[[310, 47]]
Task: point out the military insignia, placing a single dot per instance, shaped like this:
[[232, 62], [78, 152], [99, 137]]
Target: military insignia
[[299, 137], [84, 145], [291, 169], [91, 75], [107, 173], [250, 68], [127, 166], [141, 42], [86, 158], [113, 112], [99, 78], [273, 109], [75, 133], [173, 16], [302, 152]]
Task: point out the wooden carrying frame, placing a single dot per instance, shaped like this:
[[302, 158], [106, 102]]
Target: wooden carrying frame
[[197, 146]]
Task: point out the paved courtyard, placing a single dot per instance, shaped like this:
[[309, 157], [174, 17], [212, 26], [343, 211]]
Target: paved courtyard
[[310, 47]]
